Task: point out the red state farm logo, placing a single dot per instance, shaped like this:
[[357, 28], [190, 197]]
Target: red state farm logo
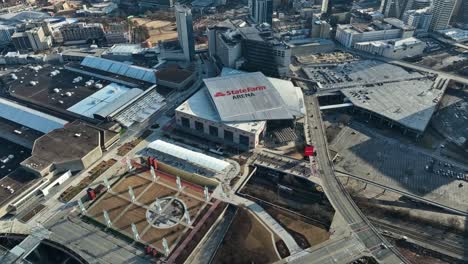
[[218, 94], [247, 90]]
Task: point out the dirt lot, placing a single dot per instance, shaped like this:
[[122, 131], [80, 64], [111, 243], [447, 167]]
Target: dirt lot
[[123, 213], [305, 232], [157, 30], [247, 241]]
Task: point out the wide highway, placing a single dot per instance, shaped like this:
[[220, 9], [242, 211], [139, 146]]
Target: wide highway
[[381, 249]]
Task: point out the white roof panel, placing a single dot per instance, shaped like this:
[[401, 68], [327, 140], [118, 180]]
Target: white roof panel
[[29, 117], [131, 71], [100, 99], [196, 158]]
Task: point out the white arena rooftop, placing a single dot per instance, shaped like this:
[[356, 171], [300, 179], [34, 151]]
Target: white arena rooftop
[[233, 108]]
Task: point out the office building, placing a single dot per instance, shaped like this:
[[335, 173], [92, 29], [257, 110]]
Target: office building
[[320, 28], [393, 49], [252, 48], [442, 12], [390, 28], [263, 52], [33, 39], [225, 46], [420, 4], [419, 19], [81, 32], [184, 22], [261, 11], [395, 8], [5, 35], [154, 4], [461, 12]]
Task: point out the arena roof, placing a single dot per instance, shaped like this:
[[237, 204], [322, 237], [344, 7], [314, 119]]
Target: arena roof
[[189, 155], [200, 105], [246, 97], [292, 96], [131, 71], [29, 117]]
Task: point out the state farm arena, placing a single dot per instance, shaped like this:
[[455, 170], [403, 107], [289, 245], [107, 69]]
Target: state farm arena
[[236, 108]]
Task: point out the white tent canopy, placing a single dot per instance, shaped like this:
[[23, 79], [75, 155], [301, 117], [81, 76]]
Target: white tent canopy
[[199, 159]]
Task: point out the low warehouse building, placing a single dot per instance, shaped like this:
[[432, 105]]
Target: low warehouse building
[[74, 147]]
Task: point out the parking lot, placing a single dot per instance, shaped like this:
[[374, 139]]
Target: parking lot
[[369, 155], [358, 73], [451, 120]]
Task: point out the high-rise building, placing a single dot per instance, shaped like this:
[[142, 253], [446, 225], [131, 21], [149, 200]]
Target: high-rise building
[[224, 46], [5, 35], [261, 11], [184, 22], [420, 4], [320, 28], [324, 8], [252, 48], [395, 8], [442, 12], [461, 12], [419, 19]]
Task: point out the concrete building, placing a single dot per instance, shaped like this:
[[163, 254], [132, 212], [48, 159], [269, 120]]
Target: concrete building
[[442, 12], [264, 52], [5, 35], [261, 11], [253, 48], [393, 49], [153, 4], [461, 12], [419, 19], [325, 6], [395, 8], [320, 28], [390, 28], [74, 148], [184, 22], [81, 32], [33, 39], [420, 4], [225, 45], [173, 77]]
